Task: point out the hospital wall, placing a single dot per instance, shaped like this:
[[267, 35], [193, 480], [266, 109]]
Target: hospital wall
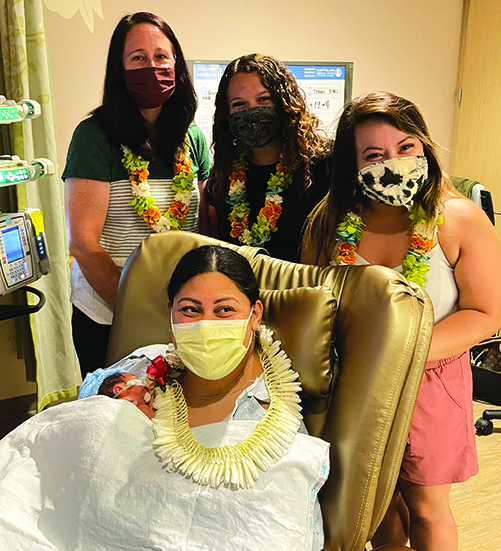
[[410, 48]]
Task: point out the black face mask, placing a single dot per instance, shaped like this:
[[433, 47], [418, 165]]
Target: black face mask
[[255, 127]]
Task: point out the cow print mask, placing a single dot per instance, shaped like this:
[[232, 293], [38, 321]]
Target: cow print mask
[[395, 181]]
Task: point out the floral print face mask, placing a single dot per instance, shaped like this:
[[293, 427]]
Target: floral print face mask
[[255, 127]]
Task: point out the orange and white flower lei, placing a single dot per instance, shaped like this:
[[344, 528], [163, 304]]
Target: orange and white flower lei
[[144, 204], [266, 221], [416, 262]]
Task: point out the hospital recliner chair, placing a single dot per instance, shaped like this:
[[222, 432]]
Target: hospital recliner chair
[[359, 338], [477, 193]]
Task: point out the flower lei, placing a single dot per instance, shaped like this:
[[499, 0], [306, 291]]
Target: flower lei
[[238, 465], [144, 204], [415, 264], [266, 221]]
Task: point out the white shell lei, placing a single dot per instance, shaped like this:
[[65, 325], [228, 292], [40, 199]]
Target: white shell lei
[[238, 465]]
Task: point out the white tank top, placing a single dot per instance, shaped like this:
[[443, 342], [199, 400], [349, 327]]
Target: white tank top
[[441, 285]]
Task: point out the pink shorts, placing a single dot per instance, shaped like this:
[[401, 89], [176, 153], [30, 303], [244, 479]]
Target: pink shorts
[[441, 446]]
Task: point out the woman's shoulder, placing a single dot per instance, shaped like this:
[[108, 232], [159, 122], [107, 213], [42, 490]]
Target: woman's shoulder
[[198, 144], [459, 210], [465, 225], [90, 128], [90, 154], [196, 136], [90, 134]]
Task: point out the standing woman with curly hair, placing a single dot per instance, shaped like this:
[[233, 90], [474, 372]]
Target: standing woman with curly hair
[[270, 167], [135, 166]]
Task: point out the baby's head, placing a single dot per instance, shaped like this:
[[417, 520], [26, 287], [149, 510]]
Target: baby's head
[[119, 384], [126, 386]]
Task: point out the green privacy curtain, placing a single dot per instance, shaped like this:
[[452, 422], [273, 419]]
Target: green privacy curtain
[[26, 74]]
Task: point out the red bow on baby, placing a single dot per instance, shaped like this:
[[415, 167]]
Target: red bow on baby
[[159, 370]]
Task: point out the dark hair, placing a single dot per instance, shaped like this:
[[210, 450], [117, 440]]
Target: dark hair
[[213, 258], [302, 141], [345, 194], [119, 115], [106, 388]]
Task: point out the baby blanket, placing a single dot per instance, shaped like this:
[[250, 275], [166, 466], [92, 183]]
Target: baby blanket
[[84, 476]]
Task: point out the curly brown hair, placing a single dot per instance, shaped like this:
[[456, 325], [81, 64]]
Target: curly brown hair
[[345, 194], [302, 140]]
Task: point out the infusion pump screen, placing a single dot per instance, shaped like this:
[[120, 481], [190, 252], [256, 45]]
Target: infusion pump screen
[[23, 253], [12, 244]]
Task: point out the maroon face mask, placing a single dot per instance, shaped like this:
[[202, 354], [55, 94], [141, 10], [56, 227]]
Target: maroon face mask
[[150, 87]]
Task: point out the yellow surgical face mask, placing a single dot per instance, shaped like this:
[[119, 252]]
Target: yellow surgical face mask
[[211, 349]]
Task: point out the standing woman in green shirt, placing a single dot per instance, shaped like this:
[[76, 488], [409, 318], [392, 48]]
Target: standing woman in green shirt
[[136, 166]]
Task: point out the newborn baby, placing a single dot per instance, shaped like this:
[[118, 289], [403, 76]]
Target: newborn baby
[[126, 386], [118, 384]]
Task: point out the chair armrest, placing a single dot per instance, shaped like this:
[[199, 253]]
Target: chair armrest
[[384, 327], [393, 548]]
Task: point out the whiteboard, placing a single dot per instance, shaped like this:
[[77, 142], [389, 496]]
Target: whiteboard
[[327, 87]]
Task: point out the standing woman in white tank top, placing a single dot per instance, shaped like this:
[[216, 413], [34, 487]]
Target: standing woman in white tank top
[[390, 204]]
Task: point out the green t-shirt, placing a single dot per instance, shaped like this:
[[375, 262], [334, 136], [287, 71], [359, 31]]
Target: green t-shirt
[[91, 155]]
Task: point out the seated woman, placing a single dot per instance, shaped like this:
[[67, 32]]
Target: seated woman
[[223, 465]]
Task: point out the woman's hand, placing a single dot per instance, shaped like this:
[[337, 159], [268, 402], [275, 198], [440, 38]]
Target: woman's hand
[[472, 247], [86, 207]]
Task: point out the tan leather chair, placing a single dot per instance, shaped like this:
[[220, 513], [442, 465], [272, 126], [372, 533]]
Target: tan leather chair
[[359, 338]]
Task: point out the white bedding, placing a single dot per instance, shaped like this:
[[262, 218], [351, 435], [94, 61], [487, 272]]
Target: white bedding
[[84, 476]]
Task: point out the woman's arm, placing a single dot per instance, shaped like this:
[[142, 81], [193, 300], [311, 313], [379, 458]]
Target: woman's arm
[[203, 211], [472, 246], [86, 208], [207, 215], [213, 231]]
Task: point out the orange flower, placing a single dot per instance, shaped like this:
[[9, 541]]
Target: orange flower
[[421, 245], [271, 212], [143, 175], [237, 228], [346, 248], [179, 210], [237, 175], [282, 168], [346, 258], [134, 176], [152, 215], [346, 254], [182, 165]]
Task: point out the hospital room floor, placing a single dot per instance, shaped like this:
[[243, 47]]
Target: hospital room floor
[[476, 504]]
